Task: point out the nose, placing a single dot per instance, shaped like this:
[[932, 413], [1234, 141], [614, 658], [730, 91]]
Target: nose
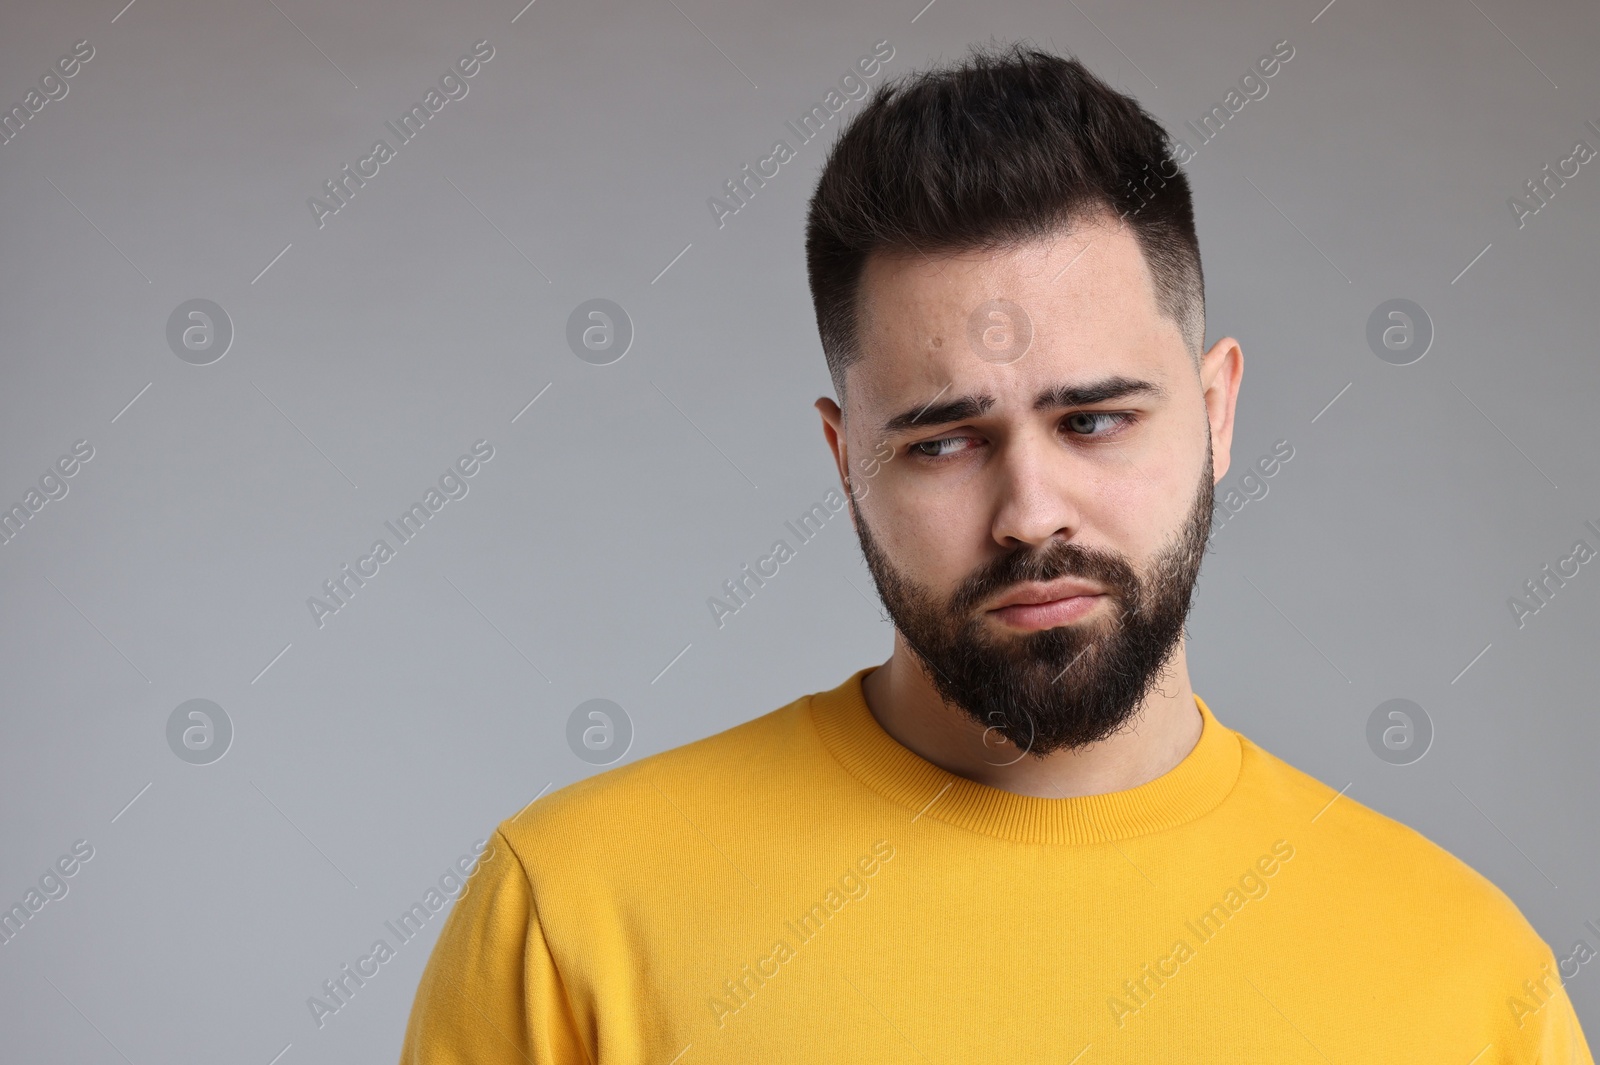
[[1032, 497]]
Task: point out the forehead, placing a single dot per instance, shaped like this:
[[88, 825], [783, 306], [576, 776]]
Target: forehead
[[1076, 306]]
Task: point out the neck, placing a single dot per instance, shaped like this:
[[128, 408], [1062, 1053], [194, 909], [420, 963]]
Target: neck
[[1163, 729]]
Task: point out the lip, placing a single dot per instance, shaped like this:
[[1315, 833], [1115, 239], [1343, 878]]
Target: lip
[[1034, 607], [1036, 616], [1053, 591]]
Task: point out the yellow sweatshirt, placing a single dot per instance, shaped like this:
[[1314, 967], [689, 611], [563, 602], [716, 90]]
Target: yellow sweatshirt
[[803, 889]]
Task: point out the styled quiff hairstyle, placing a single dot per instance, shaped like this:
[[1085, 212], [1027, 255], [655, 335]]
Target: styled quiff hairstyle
[[1011, 145]]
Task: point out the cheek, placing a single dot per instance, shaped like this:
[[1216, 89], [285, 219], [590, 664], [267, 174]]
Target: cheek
[[929, 536], [1140, 505], [1116, 500]]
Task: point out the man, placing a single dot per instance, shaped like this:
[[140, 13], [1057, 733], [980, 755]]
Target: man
[[1023, 838]]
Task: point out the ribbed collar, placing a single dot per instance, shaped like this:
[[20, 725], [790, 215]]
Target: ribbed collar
[[1191, 788]]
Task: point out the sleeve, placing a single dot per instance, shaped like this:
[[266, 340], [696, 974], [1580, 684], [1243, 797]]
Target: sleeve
[[1542, 1027], [490, 993], [1559, 1040]]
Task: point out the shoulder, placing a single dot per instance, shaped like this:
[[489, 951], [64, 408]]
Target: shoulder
[[1377, 897], [1405, 885], [606, 817]]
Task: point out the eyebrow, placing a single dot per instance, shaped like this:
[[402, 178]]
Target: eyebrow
[[1065, 395]]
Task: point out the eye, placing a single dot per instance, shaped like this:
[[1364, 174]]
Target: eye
[[1083, 422], [936, 449], [1079, 423]]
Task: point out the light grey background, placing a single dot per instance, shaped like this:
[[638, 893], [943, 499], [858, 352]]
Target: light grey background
[[370, 753]]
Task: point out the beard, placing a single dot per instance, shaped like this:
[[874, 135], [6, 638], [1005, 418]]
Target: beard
[[1060, 688]]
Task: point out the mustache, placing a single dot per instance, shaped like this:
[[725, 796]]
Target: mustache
[[1064, 558], [1061, 559]]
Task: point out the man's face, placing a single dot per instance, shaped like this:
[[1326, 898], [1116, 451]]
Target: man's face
[[1082, 470]]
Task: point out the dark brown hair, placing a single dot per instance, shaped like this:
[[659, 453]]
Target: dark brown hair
[[1011, 145]]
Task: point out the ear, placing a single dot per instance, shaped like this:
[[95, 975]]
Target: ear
[[833, 432], [1221, 370]]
